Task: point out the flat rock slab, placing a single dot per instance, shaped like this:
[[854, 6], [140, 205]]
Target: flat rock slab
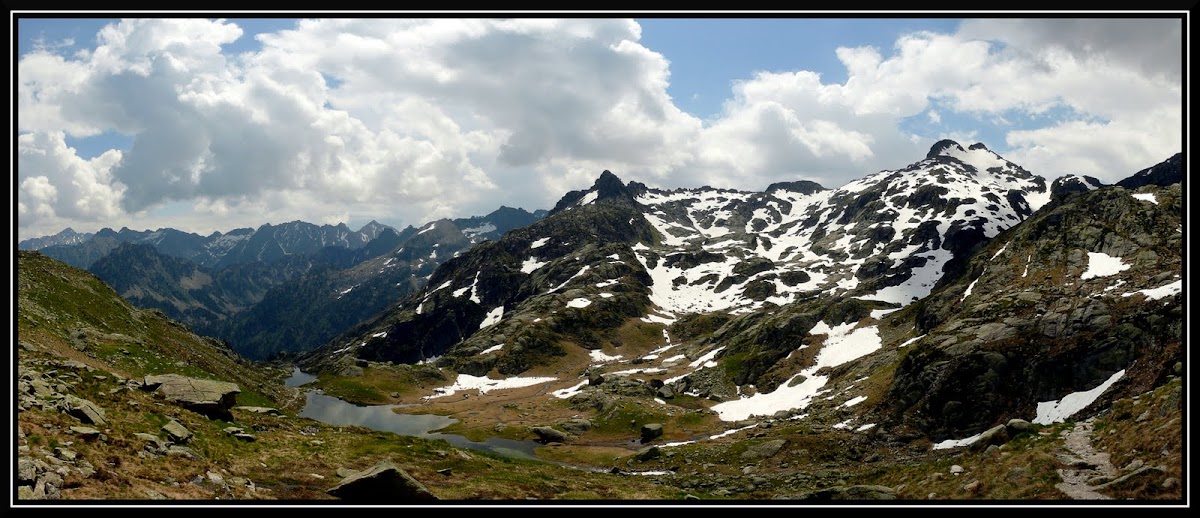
[[208, 397]]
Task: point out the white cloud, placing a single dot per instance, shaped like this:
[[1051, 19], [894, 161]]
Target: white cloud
[[407, 120]]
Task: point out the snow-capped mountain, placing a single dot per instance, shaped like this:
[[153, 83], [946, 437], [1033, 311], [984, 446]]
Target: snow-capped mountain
[[68, 236], [885, 239], [798, 299]]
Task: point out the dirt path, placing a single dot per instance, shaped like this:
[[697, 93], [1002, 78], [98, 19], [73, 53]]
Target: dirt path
[[1085, 463]]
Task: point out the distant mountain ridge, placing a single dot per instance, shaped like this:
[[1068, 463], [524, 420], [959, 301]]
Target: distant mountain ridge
[[280, 288]]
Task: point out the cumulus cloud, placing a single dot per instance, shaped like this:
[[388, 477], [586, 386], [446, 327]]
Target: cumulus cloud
[[419, 118], [406, 120]]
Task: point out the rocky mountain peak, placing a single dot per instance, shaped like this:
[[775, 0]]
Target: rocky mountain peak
[[1167, 172], [942, 147], [799, 187], [607, 187]]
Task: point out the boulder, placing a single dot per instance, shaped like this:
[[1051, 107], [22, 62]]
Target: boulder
[[84, 410], [995, 435], [648, 453], [382, 483], [650, 431], [547, 434], [764, 450], [576, 426], [208, 397], [666, 393], [86, 433], [178, 433], [1018, 426]]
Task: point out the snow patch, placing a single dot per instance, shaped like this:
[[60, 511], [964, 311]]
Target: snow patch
[[1160, 292], [590, 197], [910, 341], [570, 391], [1058, 411], [843, 344], [485, 384], [579, 303], [532, 264], [854, 401], [381, 334], [491, 349], [956, 443], [1103, 265], [539, 243], [1146, 196], [492, 317], [598, 356]]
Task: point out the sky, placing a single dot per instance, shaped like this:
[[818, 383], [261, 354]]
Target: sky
[[210, 124]]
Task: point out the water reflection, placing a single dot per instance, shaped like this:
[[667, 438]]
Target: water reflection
[[298, 378], [331, 410]]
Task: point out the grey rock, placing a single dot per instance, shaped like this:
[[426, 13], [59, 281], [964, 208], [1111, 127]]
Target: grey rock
[[1018, 426], [1133, 465], [40, 389], [382, 483], [26, 471], [65, 454], [650, 431], [86, 433], [245, 437], [84, 410], [993, 436], [547, 434], [648, 453], [153, 495], [595, 378], [1133, 478], [764, 450], [666, 393], [232, 430], [26, 493], [178, 433], [973, 486], [994, 331], [1170, 483], [208, 397], [181, 451], [154, 444], [345, 472], [956, 470], [576, 426], [259, 410]]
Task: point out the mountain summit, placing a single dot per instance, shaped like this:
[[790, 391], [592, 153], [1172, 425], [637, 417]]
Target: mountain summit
[[606, 188]]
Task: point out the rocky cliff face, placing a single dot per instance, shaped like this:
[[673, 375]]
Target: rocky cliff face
[[1085, 289]]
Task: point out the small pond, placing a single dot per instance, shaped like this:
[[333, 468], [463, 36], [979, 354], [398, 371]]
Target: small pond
[[331, 410]]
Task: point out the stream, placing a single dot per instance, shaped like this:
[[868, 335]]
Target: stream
[[331, 410]]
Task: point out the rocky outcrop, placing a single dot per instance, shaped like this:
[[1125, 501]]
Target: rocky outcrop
[[211, 398], [383, 483], [547, 434]]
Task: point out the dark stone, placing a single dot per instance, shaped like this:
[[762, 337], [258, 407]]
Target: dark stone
[[650, 431], [383, 483]]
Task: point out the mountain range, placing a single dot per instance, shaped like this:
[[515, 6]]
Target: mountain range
[[280, 288], [919, 282], [958, 328]]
